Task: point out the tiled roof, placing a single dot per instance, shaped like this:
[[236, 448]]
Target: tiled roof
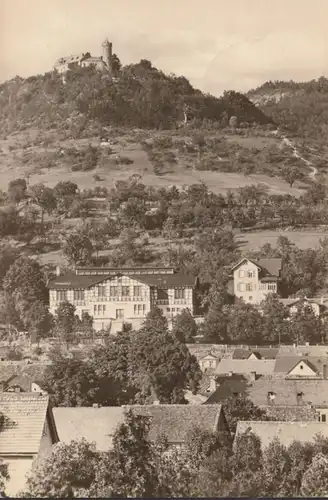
[[264, 352], [320, 351], [286, 432], [260, 366], [285, 364], [26, 414], [291, 413], [17, 373], [201, 350], [271, 267], [314, 392], [80, 281], [99, 424]]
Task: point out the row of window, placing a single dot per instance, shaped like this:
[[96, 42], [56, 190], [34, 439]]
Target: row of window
[[100, 310], [114, 291], [249, 287], [247, 274]]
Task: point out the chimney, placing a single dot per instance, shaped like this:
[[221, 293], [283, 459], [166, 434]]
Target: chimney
[[252, 376], [325, 372], [57, 271]]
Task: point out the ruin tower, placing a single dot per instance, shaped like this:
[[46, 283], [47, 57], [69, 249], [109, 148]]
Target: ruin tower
[[107, 54]]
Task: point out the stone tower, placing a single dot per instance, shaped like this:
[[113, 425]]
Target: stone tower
[[107, 54]]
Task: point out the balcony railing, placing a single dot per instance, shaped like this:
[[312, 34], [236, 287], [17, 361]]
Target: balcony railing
[[174, 302]]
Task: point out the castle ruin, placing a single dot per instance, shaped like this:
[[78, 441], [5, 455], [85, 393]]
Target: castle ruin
[[101, 63]]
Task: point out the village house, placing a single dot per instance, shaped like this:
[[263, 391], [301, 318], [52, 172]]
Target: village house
[[254, 279], [285, 432], [301, 367], [28, 435], [229, 366], [174, 421], [117, 296], [17, 376], [294, 305], [255, 353], [209, 362]]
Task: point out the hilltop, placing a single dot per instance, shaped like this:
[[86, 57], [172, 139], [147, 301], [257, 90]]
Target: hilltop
[[140, 96], [301, 108]]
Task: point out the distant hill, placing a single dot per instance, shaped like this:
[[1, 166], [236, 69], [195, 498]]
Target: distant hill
[[142, 96], [301, 108]]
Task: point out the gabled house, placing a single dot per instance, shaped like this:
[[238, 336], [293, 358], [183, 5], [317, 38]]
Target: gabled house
[[17, 376], [304, 367], [255, 279], [295, 304], [256, 353], [173, 421], [286, 432], [245, 366], [115, 296], [209, 362], [28, 435]]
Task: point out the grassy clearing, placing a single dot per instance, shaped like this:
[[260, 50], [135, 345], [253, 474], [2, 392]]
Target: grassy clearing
[[302, 239]]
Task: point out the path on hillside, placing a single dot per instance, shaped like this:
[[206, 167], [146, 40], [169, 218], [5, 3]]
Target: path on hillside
[[313, 170]]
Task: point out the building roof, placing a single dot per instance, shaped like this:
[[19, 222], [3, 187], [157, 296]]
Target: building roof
[[314, 391], [201, 350], [99, 424], [240, 366], [291, 413], [261, 352], [284, 364], [286, 432], [81, 281], [18, 373], [26, 414], [320, 351], [269, 267]]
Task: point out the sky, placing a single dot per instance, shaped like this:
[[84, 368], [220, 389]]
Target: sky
[[217, 44]]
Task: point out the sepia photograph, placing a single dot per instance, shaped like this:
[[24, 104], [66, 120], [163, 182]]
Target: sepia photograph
[[163, 249]]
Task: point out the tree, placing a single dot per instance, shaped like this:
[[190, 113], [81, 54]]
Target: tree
[[245, 323], [66, 321], [305, 326], [184, 326], [156, 320], [65, 188], [45, 198], [291, 174], [70, 471], [274, 324], [315, 479], [241, 408], [215, 323], [162, 365], [17, 190], [78, 249], [72, 381]]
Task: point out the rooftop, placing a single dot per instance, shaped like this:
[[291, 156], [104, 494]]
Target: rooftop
[[284, 364], [99, 424], [261, 352], [260, 366], [286, 432], [18, 373], [26, 414], [268, 267]]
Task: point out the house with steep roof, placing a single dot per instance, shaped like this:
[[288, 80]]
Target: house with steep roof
[[256, 353], [254, 279], [248, 366], [27, 437], [304, 367], [285, 432], [299, 303], [173, 421], [209, 362], [17, 376], [115, 296]]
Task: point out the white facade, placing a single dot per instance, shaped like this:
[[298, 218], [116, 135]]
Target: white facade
[[248, 285], [120, 299]]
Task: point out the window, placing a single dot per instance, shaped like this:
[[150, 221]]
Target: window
[[139, 309], [143, 309], [125, 291], [241, 274], [113, 291], [173, 310], [179, 293], [61, 295], [168, 309], [250, 298], [137, 291], [78, 294], [99, 309], [323, 417], [241, 287], [249, 287], [301, 367], [101, 291], [119, 313], [272, 286], [251, 274], [262, 286]]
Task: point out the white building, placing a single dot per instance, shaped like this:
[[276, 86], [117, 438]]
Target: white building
[[253, 280], [126, 295]]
